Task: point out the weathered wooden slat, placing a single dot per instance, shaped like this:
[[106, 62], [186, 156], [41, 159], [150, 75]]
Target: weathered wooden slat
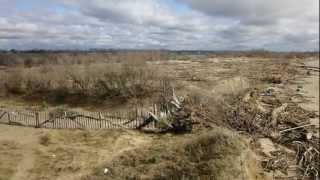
[[108, 123], [37, 120], [100, 119], [9, 118], [94, 120], [2, 115]]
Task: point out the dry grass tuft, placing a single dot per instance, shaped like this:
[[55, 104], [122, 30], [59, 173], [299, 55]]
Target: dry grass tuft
[[45, 140], [215, 154], [9, 159], [83, 84]]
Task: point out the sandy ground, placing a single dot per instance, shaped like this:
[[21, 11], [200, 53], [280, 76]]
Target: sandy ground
[[311, 92], [69, 155]]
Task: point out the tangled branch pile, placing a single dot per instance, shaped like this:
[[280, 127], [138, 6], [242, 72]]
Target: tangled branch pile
[[172, 115], [261, 113]]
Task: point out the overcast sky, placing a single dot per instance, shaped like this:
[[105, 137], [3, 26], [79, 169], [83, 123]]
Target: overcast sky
[[280, 25]]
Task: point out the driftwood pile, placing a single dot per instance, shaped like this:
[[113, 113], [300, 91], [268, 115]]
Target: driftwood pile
[[277, 161], [262, 114], [173, 116]]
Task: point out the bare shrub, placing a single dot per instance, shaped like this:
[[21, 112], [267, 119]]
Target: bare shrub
[[14, 82], [129, 81], [271, 79], [45, 140], [94, 83]]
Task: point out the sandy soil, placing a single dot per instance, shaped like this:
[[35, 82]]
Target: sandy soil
[[311, 88], [311, 92], [80, 150]]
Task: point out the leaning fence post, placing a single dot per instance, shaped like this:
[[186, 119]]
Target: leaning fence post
[[100, 120], [9, 118], [37, 120], [137, 118]]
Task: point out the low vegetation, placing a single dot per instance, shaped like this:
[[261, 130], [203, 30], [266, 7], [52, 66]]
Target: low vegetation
[[9, 159], [78, 83], [244, 94], [215, 154]]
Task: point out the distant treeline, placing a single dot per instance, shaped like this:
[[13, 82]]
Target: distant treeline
[[46, 57], [192, 52], [36, 58]]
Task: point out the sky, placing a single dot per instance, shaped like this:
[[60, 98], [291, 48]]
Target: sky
[[276, 25]]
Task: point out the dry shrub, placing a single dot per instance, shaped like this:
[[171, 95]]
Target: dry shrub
[[13, 82], [215, 154], [45, 140], [78, 83], [129, 81], [212, 107], [38, 58], [272, 79]]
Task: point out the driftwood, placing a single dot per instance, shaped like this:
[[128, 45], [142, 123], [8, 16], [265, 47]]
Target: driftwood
[[172, 116], [291, 129], [147, 121], [276, 112], [308, 159], [286, 123], [313, 68]]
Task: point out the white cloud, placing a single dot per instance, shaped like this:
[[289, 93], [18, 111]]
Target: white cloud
[[206, 24]]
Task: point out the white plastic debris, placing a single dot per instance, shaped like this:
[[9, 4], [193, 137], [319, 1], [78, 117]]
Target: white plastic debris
[[105, 171], [309, 136]]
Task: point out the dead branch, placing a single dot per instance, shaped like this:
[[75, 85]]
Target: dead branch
[[291, 129], [276, 112]]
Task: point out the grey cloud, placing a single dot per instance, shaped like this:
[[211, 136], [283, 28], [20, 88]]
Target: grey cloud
[[208, 25], [256, 12]]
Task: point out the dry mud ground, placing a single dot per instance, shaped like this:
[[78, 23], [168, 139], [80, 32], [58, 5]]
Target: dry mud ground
[[27, 153]]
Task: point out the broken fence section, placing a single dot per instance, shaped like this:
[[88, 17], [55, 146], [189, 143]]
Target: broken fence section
[[78, 120]]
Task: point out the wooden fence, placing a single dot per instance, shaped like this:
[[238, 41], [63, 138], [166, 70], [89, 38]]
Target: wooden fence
[[77, 120], [133, 119]]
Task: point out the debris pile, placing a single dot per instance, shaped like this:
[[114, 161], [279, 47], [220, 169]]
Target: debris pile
[[62, 113], [308, 157], [263, 114], [278, 161], [173, 116]]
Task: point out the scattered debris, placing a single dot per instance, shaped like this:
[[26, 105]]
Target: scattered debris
[[278, 161], [308, 158], [285, 123], [63, 113], [276, 112], [105, 171], [172, 117]]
